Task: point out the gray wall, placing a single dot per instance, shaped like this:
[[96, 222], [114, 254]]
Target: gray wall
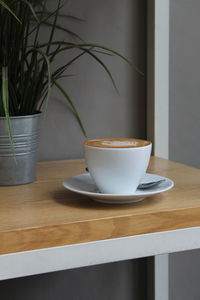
[[185, 81], [116, 281], [122, 26], [119, 25], [184, 276], [185, 125]]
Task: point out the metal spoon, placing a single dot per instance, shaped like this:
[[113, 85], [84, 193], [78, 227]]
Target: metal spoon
[[148, 185], [143, 186]]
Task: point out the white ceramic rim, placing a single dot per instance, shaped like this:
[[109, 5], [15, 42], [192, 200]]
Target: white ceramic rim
[[118, 148]]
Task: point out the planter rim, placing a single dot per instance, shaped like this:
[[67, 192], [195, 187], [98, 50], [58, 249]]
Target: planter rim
[[22, 117]]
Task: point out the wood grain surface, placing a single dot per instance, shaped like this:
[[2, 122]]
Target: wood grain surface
[[44, 214]]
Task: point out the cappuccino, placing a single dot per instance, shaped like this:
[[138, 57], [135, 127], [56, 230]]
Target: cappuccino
[[117, 164], [117, 143]]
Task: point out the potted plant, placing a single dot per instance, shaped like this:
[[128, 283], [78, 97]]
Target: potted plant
[[27, 74]]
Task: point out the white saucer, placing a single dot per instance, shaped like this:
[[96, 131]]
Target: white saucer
[[83, 184]]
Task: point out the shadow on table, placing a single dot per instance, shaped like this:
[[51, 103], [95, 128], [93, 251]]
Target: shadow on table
[[71, 199]]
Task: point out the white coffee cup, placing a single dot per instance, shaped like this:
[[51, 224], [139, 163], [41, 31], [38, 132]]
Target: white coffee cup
[[117, 164]]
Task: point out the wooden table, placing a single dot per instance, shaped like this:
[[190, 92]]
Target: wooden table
[[44, 227]]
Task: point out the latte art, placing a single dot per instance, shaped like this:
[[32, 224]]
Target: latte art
[[117, 143]]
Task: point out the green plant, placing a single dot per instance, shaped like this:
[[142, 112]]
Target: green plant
[[27, 72]]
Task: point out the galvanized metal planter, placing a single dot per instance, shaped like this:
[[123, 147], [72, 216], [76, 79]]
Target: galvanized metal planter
[[25, 130]]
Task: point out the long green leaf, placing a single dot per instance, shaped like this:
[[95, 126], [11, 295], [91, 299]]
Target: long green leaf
[[31, 8], [60, 70], [98, 46], [73, 109], [2, 3], [53, 29], [103, 65], [51, 14], [46, 59], [74, 18], [5, 97], [63, 29], [115, 53]]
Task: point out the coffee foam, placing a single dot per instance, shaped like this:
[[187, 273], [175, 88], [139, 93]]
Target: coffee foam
[[117, 143]]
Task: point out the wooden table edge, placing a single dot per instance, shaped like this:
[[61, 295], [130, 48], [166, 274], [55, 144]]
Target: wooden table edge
[[96, 230]]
